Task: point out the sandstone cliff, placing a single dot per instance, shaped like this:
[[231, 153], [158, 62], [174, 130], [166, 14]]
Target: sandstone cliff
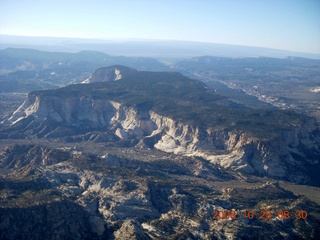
[[49, 116], [152, 156], [113, 73]]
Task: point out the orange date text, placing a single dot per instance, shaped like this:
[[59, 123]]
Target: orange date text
[[263, 214]]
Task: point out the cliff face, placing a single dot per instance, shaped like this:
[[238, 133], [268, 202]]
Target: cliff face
[[113, 73], [75, 195], [291, 151], [297, 149], [153, 156]]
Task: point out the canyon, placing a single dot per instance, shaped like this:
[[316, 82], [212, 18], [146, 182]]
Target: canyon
[[133, 154]]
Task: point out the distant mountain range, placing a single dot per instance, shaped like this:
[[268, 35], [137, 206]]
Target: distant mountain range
[[146, 48]]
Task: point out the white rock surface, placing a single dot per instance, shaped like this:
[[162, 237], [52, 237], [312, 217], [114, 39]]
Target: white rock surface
[[236, 151]]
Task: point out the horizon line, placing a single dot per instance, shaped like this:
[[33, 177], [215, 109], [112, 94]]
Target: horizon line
[[152, 40]]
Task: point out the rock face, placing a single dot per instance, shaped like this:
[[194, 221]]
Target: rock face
[[31, 154], [57, 220], [294, 150], [131, 230], [133, 197], [113, 73], [106, 161]]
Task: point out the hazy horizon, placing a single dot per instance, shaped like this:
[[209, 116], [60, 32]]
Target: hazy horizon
[[290, 25], [145, 47]]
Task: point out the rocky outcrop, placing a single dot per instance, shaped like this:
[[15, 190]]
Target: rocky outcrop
[[65, 173], [295, 150], [137, 197], [55, 220], [131, 229], [113, 73], [18, 156], [123, 113]]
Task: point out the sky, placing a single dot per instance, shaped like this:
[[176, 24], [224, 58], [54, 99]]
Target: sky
[[281, 24]]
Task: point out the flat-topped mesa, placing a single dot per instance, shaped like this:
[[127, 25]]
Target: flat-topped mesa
[[159, 113], [112, 73], [229, 149]]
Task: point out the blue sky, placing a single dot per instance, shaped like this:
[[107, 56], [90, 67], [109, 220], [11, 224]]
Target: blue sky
[[283, 24]]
